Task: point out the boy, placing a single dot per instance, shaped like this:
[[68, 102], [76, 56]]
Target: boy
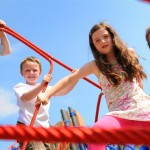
[[26, 93]]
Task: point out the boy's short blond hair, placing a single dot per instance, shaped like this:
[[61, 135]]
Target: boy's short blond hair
[[32, 59]]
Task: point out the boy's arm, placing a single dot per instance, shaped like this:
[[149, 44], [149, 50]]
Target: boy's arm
[[30, 95]]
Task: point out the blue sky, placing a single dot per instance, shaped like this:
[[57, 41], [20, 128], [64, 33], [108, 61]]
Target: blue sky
[[61, 27]]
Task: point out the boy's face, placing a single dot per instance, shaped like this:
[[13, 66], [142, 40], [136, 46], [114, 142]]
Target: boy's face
[[31, 71]]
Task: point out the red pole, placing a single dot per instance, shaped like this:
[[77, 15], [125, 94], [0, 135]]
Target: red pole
[[40, 51]]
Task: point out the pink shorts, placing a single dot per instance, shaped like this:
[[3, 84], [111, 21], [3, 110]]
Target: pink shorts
[[109, 122]]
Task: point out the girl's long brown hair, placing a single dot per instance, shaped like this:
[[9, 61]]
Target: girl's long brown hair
[[127, 59]]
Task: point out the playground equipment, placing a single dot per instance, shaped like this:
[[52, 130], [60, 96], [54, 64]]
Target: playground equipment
[[50, 59]]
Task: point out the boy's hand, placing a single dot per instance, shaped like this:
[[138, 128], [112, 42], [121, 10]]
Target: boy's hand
[[41, 99], [47, 78]]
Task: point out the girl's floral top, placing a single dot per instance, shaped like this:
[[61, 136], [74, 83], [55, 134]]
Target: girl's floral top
[[127, 100]]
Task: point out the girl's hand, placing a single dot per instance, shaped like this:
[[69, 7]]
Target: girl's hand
[[74, 70], [42, 99], [2, 23]]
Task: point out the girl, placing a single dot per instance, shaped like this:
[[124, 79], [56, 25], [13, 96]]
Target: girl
[[119, 73]]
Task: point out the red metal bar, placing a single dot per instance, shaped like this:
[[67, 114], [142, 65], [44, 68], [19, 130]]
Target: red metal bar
[[41, 52], [98, 106]]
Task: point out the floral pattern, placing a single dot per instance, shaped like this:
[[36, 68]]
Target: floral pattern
[[127, 100]]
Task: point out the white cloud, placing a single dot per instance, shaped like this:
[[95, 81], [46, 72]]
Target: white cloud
[[8, 106]]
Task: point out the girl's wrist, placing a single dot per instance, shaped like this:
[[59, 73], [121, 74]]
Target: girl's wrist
[[2, 34]]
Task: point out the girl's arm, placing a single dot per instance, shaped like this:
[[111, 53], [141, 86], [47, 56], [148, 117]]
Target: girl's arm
[[68, 88], [141, 84], [68, 81], [132, 52], [5, 41]]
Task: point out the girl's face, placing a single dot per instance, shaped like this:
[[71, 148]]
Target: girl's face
[[102, 41], [31, 71]]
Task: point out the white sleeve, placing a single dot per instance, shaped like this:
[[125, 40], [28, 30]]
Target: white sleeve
[[20, 89]]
